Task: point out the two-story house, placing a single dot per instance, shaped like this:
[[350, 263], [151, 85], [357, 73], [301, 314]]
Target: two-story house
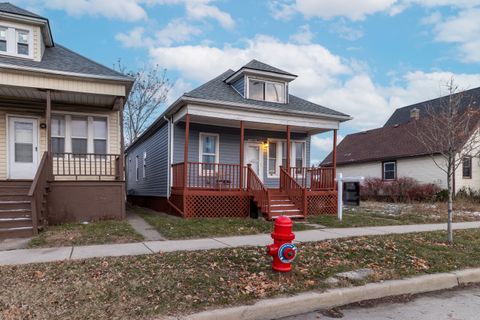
[[238, 142], [60, 130]]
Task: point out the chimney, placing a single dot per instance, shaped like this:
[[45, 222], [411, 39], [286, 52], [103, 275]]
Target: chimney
[[415, 114]]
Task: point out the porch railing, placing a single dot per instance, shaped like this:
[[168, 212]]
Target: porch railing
[[296, 192], [201, 175], [81, 165], [315, 178], [258, 191], [38, 191]]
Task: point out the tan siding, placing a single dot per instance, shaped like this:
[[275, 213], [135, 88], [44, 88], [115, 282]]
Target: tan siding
[[3, 146], [37, 44]]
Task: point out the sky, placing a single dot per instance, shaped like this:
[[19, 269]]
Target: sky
[[364, 58]]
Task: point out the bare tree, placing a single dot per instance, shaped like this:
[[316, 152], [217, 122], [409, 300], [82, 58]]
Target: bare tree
[[147, 96], [449, 132]]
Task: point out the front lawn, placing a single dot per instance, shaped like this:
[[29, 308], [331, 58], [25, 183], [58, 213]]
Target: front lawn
[[76, 234], [182, 282], [385, 214], [172, 227]]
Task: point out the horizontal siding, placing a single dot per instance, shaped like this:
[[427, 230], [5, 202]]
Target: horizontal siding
[[239, 85], [155, 182]]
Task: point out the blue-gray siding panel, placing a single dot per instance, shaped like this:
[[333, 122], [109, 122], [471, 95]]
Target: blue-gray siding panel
[[229, 144], [239, 85], [155, 182]]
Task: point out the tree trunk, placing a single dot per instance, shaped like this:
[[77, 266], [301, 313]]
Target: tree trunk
[[450, 206]]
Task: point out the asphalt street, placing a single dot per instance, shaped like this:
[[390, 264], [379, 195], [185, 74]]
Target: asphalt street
[[460, 304]]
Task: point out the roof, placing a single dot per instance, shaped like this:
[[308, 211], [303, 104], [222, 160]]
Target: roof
[[10, 8], [59, 59], [217, 90], [386, 143], [257, 65], [402, 115]]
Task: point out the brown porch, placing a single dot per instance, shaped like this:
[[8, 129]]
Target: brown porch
[[200, 189]]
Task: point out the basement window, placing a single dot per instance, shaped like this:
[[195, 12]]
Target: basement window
[[389, 171], [467, 167]]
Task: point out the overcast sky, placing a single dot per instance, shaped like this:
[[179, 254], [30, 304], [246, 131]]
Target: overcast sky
[[361, 57]]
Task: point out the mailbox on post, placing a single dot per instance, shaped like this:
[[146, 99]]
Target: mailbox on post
[[351, 193], [341, 188]]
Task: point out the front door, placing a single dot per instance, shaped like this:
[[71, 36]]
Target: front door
[[22, 147], [253, 156]]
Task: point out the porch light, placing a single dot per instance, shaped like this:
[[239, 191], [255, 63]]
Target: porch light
[[265, 144]]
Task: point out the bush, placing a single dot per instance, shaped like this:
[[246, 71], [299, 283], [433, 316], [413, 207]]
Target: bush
[[468, 194], [400, 190]]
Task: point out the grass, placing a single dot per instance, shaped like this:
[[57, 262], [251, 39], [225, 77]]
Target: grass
[[183, 282], [75, 234], [178, 228]]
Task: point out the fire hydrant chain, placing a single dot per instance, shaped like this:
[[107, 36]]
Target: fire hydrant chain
[[282, 250]]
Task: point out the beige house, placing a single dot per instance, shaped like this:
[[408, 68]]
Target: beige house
[[61, 154]]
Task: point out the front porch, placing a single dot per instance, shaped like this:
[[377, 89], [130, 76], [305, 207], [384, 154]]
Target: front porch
[[266, 185]]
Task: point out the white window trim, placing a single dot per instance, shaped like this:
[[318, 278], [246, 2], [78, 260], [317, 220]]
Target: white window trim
[[247, 89], [144, 165], [200, 151], [90, 132], [11, 37], [280, 152], [394, 170]]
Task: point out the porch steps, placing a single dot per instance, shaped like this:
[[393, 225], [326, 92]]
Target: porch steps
[[281, 205], [15, 210]]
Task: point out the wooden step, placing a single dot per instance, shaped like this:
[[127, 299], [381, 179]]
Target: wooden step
[[6, 223], [14, 190], [15, 213], [14, 204], [14, 197], [9, 183], [291, 216], [20, 232]]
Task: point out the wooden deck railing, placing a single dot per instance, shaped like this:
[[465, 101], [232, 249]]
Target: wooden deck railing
[[38, 191], [315, 178], [177, 175], [258, 190], [200, 175], [296, 192], [86, 165]]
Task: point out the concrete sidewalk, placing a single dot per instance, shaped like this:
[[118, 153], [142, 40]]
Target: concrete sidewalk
[[24, 256]]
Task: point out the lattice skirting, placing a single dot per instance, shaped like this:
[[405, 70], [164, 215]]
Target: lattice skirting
[[216, 205], [322, 202]]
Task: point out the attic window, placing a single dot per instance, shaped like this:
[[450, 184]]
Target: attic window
[[22, 42], [266, 90], [15, 42], [3, 39]]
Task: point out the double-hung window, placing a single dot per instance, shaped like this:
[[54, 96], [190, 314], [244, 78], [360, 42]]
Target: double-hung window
[[209, 150], [79, 129], [467, 167], [277, 156], [272, 158], [266, 90], [3, 39], [299, 151], [99, 135], [22, 42], [389, 170], [58, 134]]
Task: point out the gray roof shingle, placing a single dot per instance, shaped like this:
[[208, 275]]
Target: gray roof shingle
[[217, 90], [257, 65], [10, 8], [61, 59]]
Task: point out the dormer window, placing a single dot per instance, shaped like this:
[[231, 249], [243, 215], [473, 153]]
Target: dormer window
[[266, 90], [3, 39], [22, 42]]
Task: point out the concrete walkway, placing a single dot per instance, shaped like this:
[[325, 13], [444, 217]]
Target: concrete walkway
[[142, 227], [24, 256]]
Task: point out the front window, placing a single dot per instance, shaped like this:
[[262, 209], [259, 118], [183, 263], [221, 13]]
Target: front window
[[389, 170], [277, 156], [79, 135], [266, 90], [299, 156], [467, 167], [272, 158], [58, 134], [3, 39], [209, 149], [99, 135], [22, 42]]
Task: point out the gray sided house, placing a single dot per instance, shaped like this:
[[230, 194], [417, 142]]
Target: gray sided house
[[237, 144]]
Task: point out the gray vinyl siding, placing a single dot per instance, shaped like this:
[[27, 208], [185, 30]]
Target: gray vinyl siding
[[239, 85], [229, 138], [155, 182]]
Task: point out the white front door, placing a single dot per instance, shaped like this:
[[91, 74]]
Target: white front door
[[253, 156], [22, 147]]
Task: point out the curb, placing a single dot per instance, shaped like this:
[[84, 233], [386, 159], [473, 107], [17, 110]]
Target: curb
[[310, 301]]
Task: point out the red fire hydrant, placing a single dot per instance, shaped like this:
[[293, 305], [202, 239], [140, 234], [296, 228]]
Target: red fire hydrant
[[282, 250]]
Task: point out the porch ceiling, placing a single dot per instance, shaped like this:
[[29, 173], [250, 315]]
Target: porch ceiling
[[16, 95], [218, 121]]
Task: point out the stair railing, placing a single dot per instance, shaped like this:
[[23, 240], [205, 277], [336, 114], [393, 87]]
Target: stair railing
[[257, 189], [38, 191], [295, 192]]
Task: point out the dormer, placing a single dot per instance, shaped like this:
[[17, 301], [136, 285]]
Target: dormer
[[259, 81], [23, 34]]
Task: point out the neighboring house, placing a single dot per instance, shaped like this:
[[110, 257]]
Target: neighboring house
[[60, 130], [393, 151], [236, 138]]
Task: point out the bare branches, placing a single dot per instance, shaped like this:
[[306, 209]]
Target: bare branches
[[148, 94]]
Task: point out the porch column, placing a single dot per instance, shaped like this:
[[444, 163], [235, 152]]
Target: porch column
[[185, 150], [242, 139], [48, 120], [288, 150], [334, 155]]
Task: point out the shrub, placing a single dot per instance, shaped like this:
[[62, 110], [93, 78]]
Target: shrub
[[400, 190], [468, 194]]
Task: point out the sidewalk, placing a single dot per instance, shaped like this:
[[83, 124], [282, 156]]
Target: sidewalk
[[24, 256]]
